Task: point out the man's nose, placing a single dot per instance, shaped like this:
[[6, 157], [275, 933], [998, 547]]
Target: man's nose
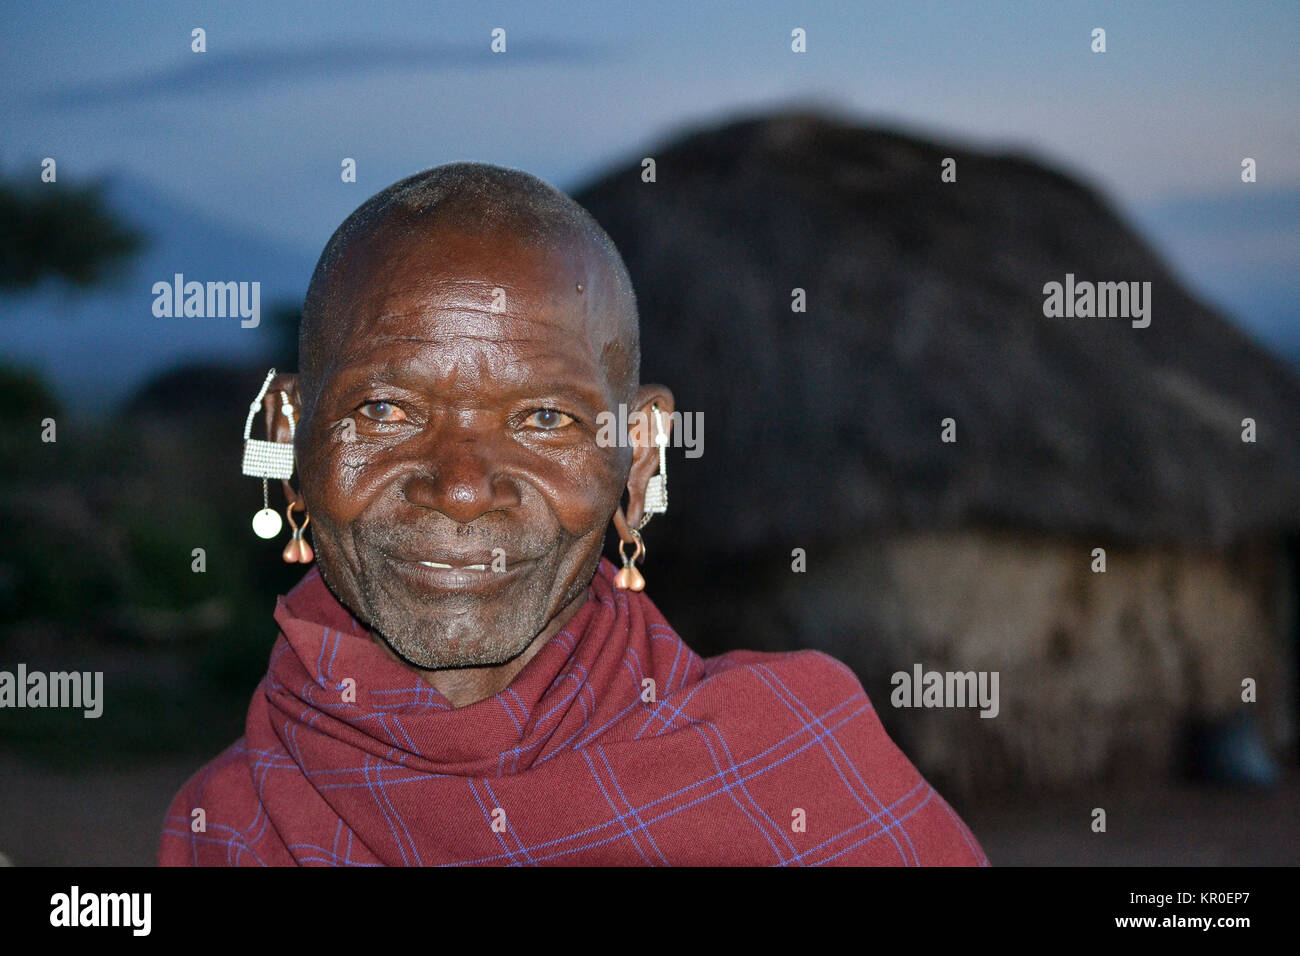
[[461, 476]]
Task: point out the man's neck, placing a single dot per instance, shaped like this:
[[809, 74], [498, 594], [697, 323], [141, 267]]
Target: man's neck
[[468, 685]]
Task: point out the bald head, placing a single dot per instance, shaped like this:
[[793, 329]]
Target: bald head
[[496, 205]]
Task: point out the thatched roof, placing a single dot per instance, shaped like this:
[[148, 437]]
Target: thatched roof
[[925, 301]]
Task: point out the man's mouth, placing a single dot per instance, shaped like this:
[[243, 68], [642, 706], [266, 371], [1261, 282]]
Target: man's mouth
[[469, 573]]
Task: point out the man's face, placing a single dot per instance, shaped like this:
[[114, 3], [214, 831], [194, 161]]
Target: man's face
[[455, 433]]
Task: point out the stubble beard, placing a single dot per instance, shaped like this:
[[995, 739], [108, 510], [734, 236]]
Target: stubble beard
[[452, 631]]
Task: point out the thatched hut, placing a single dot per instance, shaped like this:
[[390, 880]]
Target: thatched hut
[[824, 431]]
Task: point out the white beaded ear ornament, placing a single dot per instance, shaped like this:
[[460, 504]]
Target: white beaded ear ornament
[[656, 489], [268, 459]]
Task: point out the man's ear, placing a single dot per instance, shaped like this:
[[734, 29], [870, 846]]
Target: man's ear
[[277, 423], [645, 452], [276, 415]]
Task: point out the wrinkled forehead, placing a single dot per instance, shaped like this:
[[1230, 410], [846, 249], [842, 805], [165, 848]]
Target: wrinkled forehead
[[510, 306]]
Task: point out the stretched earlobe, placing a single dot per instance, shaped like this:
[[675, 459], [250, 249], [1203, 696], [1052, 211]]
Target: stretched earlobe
[[653, 502]]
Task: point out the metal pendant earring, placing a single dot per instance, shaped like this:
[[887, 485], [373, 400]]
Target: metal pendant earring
[[298, 551], [630, 579], [267, 459]]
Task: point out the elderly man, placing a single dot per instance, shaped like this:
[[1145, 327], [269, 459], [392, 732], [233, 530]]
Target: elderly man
[[463, 678]]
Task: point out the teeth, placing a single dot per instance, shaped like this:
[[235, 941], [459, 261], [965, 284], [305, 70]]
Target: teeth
[[435, 564], [476, 567], [449, 567]]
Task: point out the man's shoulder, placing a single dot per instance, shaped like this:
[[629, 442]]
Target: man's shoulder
[[810, 704], [803, 679], [230, 761], [190, 809], [803, 668]]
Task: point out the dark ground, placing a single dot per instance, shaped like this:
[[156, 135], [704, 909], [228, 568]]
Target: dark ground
[[112, 817]]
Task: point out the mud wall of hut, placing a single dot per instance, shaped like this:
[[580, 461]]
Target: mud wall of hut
[[1099, 672]]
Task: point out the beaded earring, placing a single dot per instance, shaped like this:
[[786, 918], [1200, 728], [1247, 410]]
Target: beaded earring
[[268, 459]]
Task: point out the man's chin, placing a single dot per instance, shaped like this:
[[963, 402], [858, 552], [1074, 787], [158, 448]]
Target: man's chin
[[440, 644], [427, 661]]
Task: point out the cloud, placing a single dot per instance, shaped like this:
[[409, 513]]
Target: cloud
[[259, 68]]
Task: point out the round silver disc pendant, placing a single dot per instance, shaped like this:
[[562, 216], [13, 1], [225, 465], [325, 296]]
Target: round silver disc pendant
[[267, 523]]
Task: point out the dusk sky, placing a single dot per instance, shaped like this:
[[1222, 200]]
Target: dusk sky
[[252, 132]]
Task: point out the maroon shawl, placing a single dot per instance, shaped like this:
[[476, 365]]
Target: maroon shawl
[[746, 758]]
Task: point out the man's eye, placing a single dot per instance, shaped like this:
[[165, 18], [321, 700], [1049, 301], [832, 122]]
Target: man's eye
[[549, 419], [382, 412]]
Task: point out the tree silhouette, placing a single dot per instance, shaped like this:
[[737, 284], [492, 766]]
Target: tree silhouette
[[60, 230]]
